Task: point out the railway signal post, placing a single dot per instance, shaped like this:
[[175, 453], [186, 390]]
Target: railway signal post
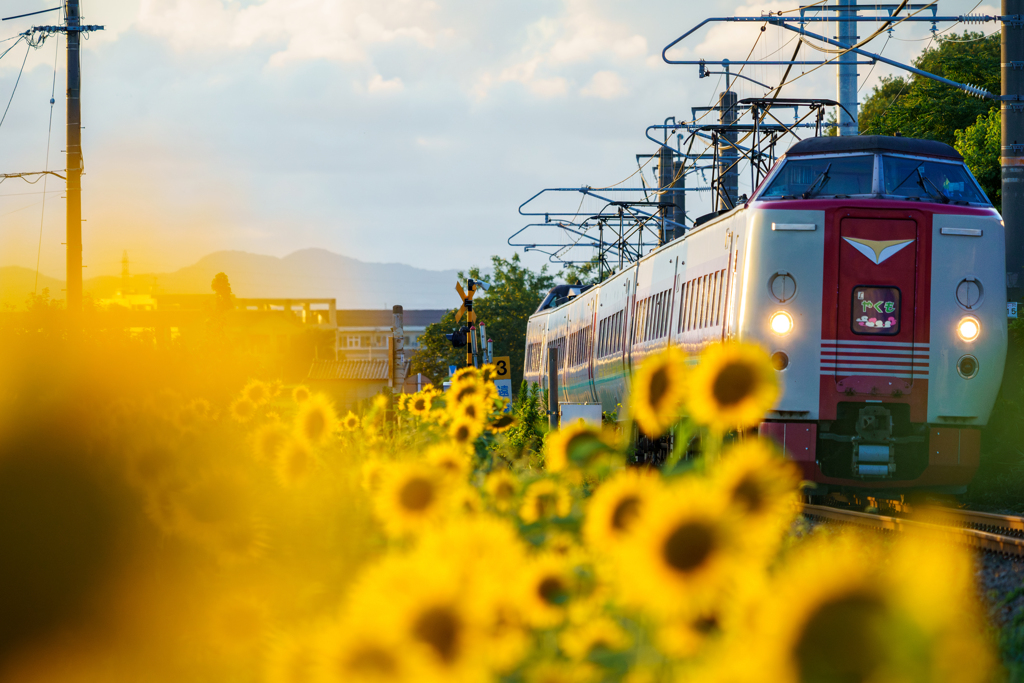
[[467, 335]]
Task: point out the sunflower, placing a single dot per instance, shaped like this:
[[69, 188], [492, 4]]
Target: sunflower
[[465, 375], [300, 393], [257, 392], [467, 389], [316, 420], [372, 474], [267, 441], [294, 463], [472, 408], [291, 659], [545, 500], [617, 506], [562, 672], [420, 403], [275, 387], [502, 486], [598, 634], [242, 409], [761, 485], [684, 556], [455, 461], [546, 588], [579, 444], [412, 496], [658, 391], [355, 652], [350, 422], [839, 611], [466, 499], [464, 431], [502, 423], [732, 387]]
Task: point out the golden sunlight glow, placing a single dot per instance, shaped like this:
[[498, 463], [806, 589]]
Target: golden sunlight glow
[[781, 323], [968, 329]]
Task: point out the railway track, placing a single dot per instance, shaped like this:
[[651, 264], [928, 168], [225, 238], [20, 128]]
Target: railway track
[[1002, 534]]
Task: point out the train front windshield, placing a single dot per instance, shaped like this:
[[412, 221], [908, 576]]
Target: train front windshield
[[929, 180], [828, 176]]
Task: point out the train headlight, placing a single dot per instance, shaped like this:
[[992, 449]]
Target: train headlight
[[968, 328], [781, 323]]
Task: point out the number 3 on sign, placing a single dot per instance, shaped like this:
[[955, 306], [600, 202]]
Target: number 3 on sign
[[503, 369]]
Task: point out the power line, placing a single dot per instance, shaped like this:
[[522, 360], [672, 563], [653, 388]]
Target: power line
[[21, 71], [49, 135]]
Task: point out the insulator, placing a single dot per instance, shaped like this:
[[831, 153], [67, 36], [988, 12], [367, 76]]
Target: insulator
[[974, 18], [976, 91]]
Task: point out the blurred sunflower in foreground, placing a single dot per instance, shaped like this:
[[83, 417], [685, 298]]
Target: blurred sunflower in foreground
[[414, 541]]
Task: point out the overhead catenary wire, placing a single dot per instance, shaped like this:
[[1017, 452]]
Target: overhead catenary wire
[[28, 49]]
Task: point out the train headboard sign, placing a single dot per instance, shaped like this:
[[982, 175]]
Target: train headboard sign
[[876, 310]]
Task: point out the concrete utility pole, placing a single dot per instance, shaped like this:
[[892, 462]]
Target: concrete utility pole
[[728, 169], [666, 173], [398, 357], [846, 84], [74, 151], [1012, 152]]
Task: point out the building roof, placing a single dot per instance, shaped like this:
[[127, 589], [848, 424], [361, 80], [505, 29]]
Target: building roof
[[384, 318], [873, 143], [372, 370]]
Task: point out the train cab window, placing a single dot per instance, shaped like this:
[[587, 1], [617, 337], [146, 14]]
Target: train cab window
[[875, 311], [929, 181], [828, 176]]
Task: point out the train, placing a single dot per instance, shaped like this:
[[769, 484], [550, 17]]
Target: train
[[872, 269]]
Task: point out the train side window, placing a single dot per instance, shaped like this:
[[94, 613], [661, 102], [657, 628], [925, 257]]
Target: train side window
[[713, 308], [682, 298], [702, 303], [689, 306], [666, 312]]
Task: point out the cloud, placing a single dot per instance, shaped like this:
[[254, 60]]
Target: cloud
[[303, 30], [377, 84], [605, 84]]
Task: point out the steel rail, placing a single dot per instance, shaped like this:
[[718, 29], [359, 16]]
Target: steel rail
[[984, 540]]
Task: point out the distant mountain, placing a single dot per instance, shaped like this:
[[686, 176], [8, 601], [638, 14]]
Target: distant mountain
[[309, 273]]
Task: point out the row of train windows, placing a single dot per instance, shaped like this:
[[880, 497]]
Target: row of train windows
[[652, 317], [702, 302], [579, 346], [533, 357], [609, 334]]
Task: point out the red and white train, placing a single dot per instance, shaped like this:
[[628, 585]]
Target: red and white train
[[871, 268]]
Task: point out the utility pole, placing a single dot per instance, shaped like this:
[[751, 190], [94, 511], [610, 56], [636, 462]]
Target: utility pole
[[846, 85], [1012, 152], [728, 168], [74, 151]]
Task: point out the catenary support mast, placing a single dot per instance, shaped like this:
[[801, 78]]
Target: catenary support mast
[[846, 85], [1012, 152]]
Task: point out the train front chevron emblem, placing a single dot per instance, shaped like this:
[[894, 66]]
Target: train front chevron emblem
[[877, 251]]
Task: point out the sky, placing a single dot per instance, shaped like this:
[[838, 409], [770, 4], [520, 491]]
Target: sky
[[389, 131]]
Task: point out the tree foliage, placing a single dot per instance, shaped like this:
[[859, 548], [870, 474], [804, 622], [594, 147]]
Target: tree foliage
[[505, 309], [980, 145], [923, 108]]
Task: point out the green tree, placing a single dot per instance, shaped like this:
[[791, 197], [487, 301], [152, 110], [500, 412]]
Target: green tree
[[505, 309], [923, 108], [980, 145], [222, 288]]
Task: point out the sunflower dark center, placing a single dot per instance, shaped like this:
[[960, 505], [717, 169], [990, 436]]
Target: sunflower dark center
[[504, 490], [546, 504], [416, 494], [659, 386], [470, 410], [315, 424], [439, 628], [503, 421], [689, 546], [372, 659], [734, 383], [464, 392], [419, 404], [843, 641], [553, 590], [625, 513], [749, 494]]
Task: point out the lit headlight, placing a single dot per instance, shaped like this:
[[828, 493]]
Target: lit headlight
[[781, 323], [968, 328]]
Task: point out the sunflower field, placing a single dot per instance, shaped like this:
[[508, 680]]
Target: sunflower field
[[269, 538]]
